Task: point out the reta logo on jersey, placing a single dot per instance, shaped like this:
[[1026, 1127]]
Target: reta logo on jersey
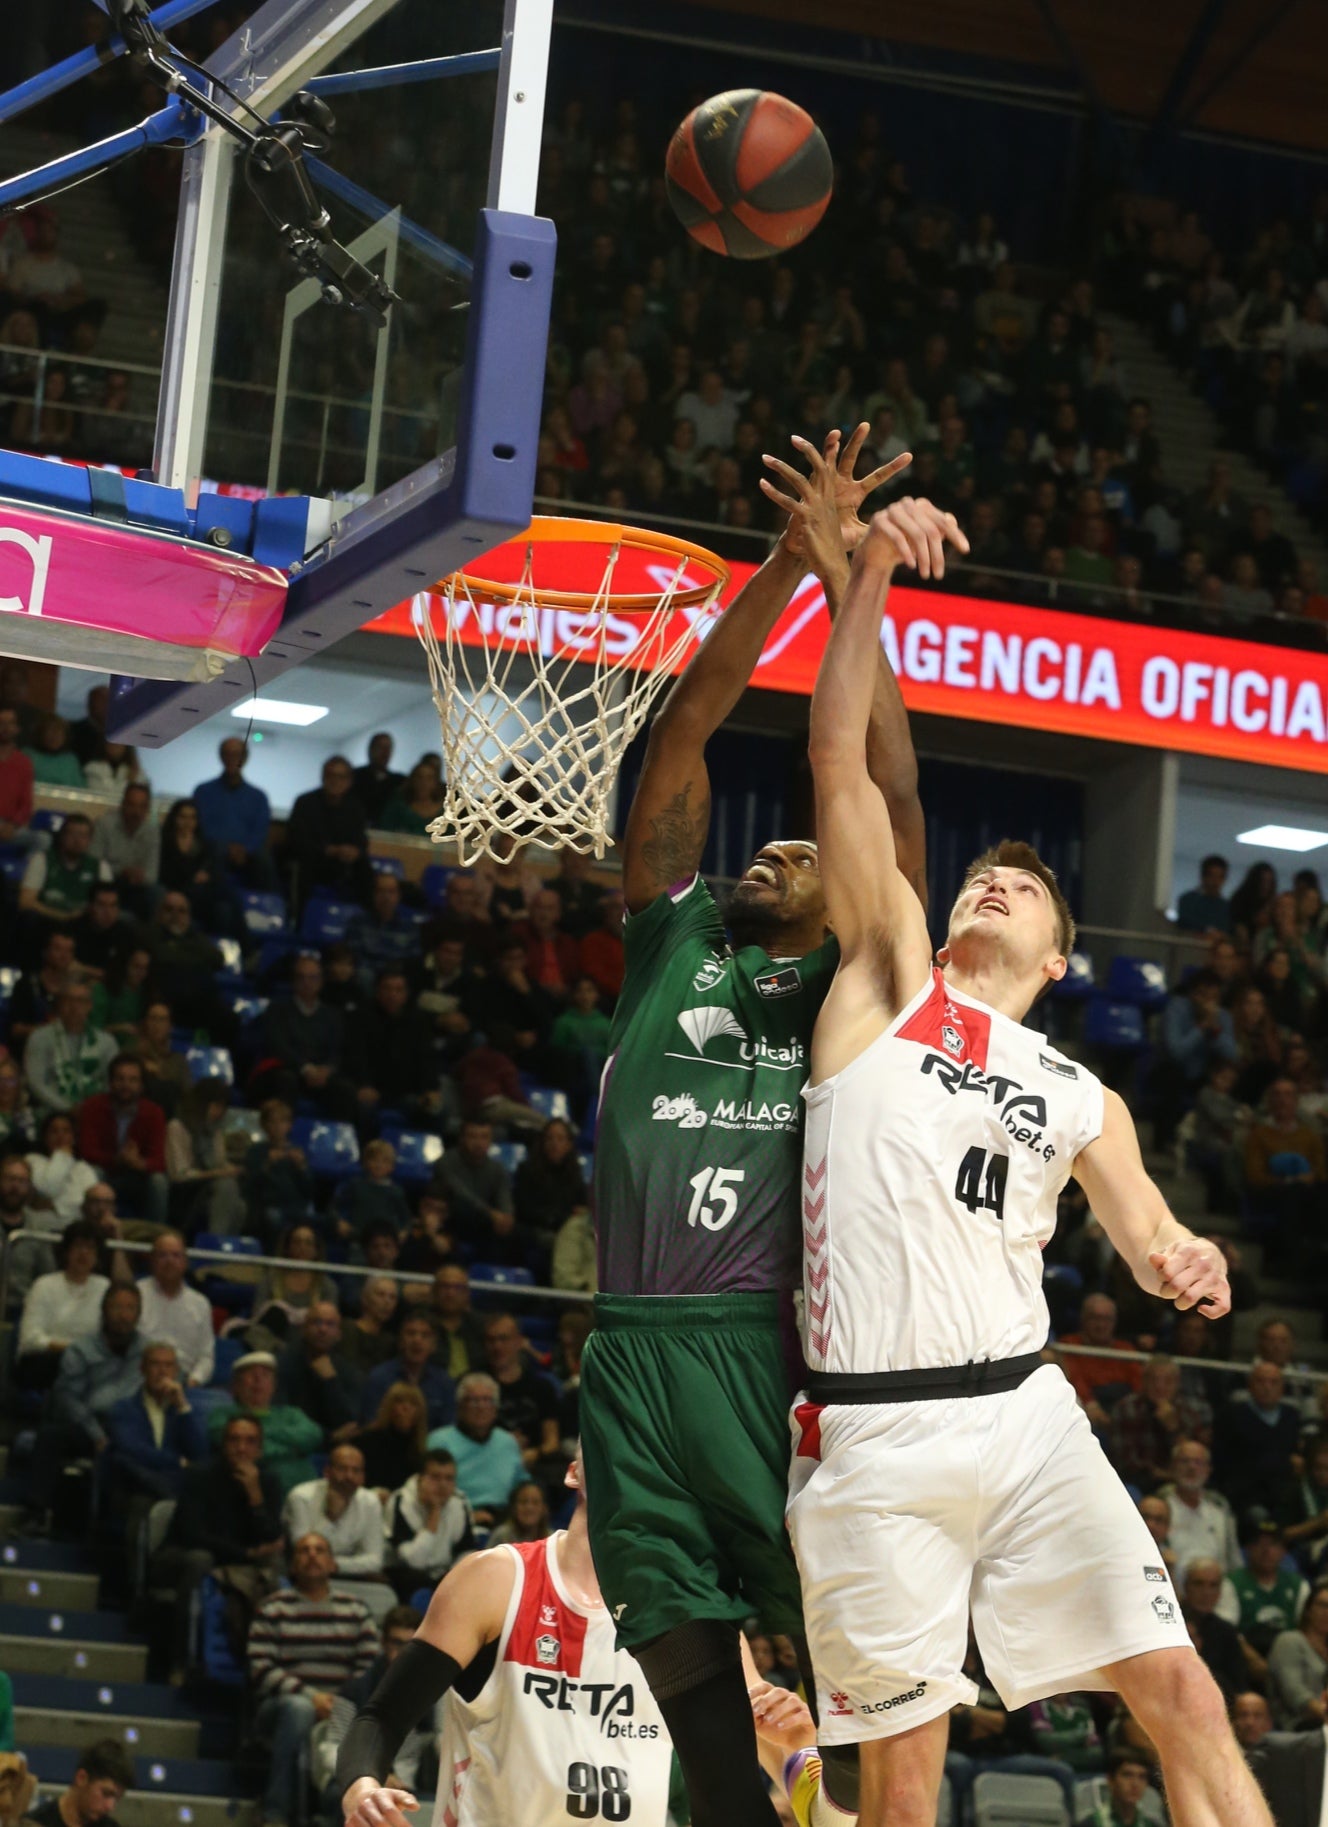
[[1023, 1113], [614, 1707]]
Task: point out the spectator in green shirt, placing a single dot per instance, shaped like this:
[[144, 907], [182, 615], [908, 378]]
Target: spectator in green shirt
[[289, 1435], [54, 763], [1267, 1595], [583, 1025]]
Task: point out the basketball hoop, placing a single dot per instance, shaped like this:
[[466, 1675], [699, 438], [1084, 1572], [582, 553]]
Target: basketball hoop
[[545, 657]]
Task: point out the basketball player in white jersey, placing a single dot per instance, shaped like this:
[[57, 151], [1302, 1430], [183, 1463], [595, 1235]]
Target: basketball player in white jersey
[[939, 1464], [544, 1721]]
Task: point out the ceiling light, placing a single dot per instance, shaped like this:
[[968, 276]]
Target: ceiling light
[[1283, 837], [280, 710]]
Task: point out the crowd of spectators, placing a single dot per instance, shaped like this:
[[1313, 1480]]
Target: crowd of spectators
[[1247, 322], [57, 396], [371, 1429], [1239, 1073], [671, 372]]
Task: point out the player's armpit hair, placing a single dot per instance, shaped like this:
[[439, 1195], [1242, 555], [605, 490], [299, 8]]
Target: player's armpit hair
[[412, 1687], [677, 838]]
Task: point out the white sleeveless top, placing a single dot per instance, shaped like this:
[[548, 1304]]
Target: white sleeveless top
[[931, 1169], [564, 1728]]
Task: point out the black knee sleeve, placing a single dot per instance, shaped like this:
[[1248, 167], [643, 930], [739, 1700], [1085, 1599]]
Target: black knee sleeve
[[839, 1763], [839, 1775], [685, 1657], [695, 1673]]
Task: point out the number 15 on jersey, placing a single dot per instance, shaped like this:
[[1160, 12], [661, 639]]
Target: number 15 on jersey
[[715, 1196]]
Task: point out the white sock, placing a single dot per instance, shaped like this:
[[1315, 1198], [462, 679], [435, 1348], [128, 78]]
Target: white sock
[[828, 1813]]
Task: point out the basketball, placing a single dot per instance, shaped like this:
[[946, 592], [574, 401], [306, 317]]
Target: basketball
[[749, 173]]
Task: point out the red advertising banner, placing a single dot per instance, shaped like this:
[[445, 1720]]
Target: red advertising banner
[[997, 662]]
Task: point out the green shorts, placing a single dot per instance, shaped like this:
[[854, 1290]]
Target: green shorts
[[684, 1431]]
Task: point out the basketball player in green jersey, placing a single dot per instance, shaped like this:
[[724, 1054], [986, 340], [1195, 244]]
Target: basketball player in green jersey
[[687, 1377]]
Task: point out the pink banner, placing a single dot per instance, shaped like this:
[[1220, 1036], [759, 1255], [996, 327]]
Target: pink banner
[[77, 589]]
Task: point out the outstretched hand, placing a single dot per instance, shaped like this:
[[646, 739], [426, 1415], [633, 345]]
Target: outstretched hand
[[781, 1718], [913, 533], [370, 1804], [1191, 1273], [829, 494]]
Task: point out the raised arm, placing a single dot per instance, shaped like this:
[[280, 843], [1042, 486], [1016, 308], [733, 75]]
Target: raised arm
[[465, 1613], [1163, 1256], [891, 761], [872, 909], [670, 815]]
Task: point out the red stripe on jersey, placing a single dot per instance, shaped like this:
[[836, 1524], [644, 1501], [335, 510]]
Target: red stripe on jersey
[[955, 1030], [808, 1417], [545, 1633]]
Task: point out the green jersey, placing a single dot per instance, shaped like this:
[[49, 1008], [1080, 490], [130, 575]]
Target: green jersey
[[1266, 1611], [698, 1156]]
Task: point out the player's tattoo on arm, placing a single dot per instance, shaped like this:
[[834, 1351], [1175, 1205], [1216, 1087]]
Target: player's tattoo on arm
[[677, 838]]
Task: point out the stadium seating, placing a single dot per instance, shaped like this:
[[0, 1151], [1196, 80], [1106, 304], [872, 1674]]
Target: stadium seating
[[326, 921], [331, 1149], [1137, 980], [210, 1062], [1002, 1800], [418, 1154], [1077, 983], [1114, 1026]]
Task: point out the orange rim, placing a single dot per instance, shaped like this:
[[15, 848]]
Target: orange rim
[[548, 530]]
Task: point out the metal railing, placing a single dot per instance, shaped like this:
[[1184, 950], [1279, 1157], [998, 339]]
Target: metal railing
[[237, 1260], [566, 1297], [1223, 1366], [1168, 948]]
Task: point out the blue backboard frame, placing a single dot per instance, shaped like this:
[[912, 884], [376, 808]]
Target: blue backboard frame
[[453, 508]]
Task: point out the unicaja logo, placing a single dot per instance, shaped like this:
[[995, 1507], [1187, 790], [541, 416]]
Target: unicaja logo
[[38, 549]]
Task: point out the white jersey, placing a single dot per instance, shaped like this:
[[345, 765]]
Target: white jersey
[[564, 1726], [931, 1169]]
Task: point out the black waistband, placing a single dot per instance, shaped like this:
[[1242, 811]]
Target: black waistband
[[986, 1378]]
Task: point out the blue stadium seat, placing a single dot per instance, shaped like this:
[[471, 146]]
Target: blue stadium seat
[[232, 963], [1115, 1026], [264, 913], [418, 1153], [1137, 980], [1077, 983], [433, 883], [419, 1599], [325, 921], [213, 1652], [550, 1103], [244, 1003], [539, 1330], [331, 1149], [12, 865], [388, 865], [44, 819], [587, 1165], [228, 1246], [504, 1277], [236, 1296], [210, 1062], [511, 1154], [226, 1352]]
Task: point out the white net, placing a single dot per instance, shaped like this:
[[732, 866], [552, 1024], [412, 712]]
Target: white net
[[537, 702]]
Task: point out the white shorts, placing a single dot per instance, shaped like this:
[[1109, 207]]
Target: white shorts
[[906, 1516]]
